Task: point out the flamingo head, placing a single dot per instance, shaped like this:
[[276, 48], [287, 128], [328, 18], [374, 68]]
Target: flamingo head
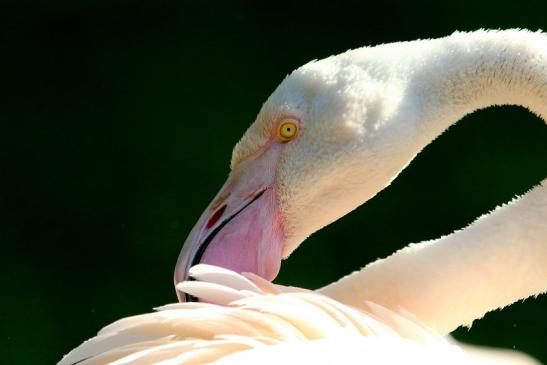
[[321, 145]]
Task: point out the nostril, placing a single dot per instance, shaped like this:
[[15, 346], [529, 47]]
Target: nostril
[[216, 216]]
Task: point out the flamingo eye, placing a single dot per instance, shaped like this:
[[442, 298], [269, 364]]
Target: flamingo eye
[[287, 130]]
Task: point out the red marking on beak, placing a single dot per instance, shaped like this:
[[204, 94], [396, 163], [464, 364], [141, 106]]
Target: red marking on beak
[[216, 216], [242, 229]]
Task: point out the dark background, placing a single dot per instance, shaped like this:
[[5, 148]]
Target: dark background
[[117, 122]]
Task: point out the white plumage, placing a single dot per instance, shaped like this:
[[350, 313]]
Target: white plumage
[[248, 320], [449, 282], [363, 116]]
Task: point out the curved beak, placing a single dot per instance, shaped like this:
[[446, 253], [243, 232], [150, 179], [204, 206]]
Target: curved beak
[[241, 229]]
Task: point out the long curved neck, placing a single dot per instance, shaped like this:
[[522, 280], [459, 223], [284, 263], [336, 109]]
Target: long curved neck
[[469, 71], [451, 281], [502, 257]]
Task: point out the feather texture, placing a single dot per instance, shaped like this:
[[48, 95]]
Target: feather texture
[[216, 329]]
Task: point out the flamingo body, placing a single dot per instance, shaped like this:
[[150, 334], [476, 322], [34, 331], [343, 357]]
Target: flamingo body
[[333, 134]]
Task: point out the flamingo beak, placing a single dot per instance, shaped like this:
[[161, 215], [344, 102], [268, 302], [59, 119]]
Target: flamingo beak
[[241, 229]]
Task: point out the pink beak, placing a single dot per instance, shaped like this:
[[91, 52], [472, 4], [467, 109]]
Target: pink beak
[[241, 229]]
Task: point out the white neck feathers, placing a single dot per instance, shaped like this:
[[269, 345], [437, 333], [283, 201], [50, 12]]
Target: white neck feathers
[[449, 282], [469, 71], [502, 257]]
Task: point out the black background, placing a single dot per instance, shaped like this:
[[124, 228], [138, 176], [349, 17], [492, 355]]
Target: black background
[[117, 122]]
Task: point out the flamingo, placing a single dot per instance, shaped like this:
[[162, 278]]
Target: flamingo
[[333, 134]]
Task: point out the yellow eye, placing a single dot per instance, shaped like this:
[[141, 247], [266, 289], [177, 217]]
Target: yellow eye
[[287, 130]]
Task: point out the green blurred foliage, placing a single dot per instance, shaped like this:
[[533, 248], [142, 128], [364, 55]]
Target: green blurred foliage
[[116, 129]]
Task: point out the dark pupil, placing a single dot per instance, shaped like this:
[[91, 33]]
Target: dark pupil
[[288, 129]]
